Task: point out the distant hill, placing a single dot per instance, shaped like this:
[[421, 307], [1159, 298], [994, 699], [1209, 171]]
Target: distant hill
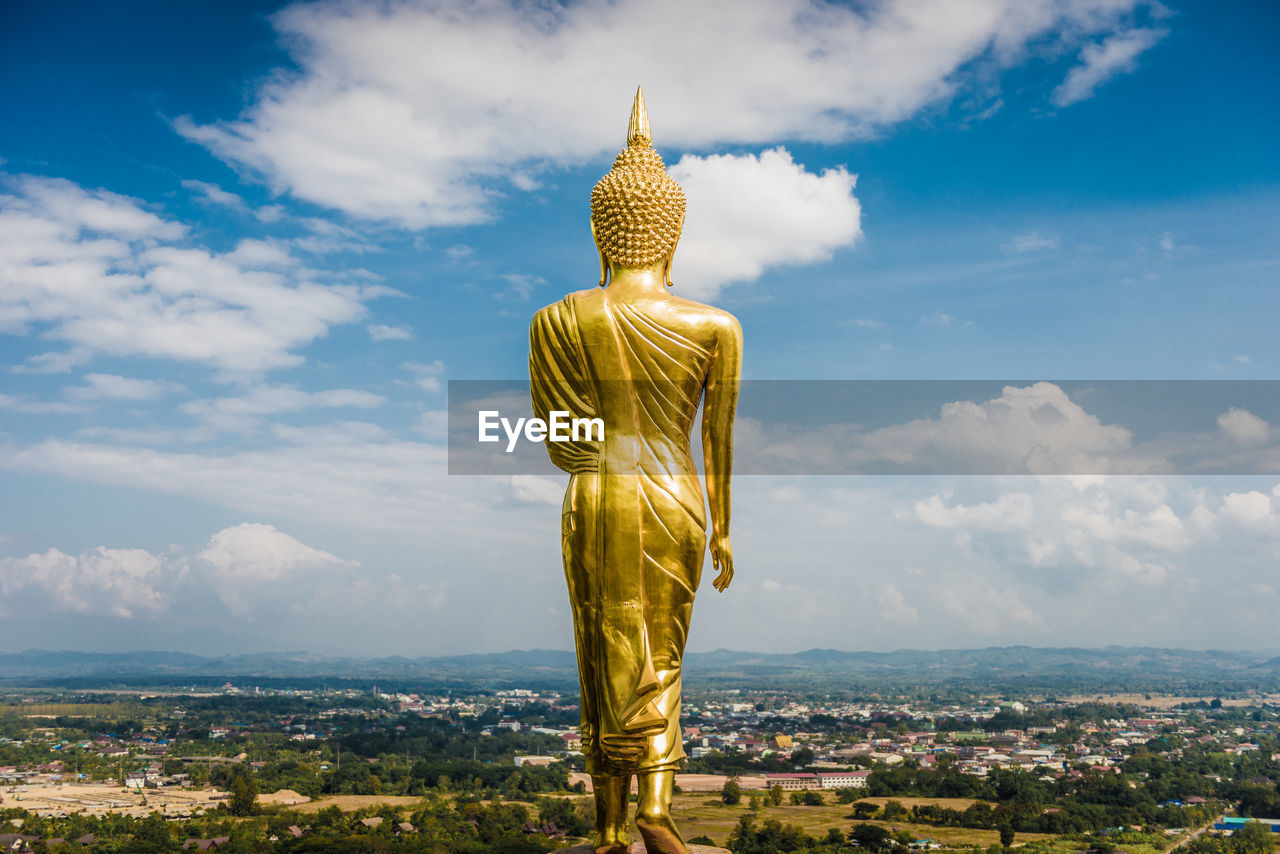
[[1022, 669]]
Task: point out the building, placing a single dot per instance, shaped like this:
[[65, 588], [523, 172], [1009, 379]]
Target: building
[[1232, 822], [534, 760], [793, 782], [843, 779]]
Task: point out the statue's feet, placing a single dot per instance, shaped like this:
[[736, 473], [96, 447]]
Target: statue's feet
[[660, 836], [614, 847]]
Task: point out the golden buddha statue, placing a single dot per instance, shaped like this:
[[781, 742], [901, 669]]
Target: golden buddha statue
[[633, 526]]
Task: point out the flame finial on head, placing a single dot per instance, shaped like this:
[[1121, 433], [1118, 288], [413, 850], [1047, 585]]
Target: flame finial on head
[[637, 209], [638, 132]]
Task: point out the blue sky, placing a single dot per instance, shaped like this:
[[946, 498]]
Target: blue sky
[[244, 245]]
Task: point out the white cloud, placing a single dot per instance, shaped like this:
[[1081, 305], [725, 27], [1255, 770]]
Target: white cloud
[[16, 403], [214, 194], [118, 582], [426, 376], [424, 114], [1099, 62], [459, 252], [1251, 509], [1005, 560], [1037, 428], [375, 485], [434, 424], [749, 212], [243, 413], [244, 562], [54, 363], [533, 489], [239, 563], [1009, 512], [520, 287], [251, 554], [1242, 426], [382, 332], [104, 274], [114, 387], [1032, 241], [1118, 530], [894, 605], [1158, 527], [984, 608]]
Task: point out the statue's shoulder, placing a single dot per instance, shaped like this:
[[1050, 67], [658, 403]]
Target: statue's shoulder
[[566, 304], [718, 320]]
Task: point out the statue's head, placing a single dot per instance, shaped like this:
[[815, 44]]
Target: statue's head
[[637, 210]]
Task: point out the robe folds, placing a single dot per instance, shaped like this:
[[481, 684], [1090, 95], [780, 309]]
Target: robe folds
[[633, 523]]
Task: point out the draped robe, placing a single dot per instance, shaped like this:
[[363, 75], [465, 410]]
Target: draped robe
[[633, 525]]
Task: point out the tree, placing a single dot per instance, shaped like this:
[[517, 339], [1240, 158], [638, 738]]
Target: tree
[[244, 794], [1006, 835], [731, 793], [564, 814], [775, 795], [872, 837]]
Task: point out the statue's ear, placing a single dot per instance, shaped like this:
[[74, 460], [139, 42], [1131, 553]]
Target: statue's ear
[[666, 272], [604, 262]]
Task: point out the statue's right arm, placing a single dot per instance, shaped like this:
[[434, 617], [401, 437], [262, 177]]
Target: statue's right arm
[[717, 440]]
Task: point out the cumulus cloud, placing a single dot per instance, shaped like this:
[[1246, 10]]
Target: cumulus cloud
[[1243, 427], [105, 275], [1251, 509], [1036, 428], [238, 563], [424, 114], [1009, 512], [749, 212], [252, 554], [1008, 560], [1115, 530], [1099, 62], [118, 582]]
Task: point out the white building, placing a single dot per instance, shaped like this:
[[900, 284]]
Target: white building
[[843, 779]]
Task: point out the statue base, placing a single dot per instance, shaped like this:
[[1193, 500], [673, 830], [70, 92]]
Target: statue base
[[638, 848]]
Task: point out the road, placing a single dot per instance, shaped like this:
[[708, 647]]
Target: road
[[1183, 840]]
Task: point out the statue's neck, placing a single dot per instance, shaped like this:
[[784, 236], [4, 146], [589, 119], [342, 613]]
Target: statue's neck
[[638, 281]]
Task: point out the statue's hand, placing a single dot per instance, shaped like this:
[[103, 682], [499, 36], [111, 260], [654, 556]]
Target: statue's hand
[[722, 560]]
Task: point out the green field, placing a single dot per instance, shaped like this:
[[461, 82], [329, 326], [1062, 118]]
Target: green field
[[705, 815]]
